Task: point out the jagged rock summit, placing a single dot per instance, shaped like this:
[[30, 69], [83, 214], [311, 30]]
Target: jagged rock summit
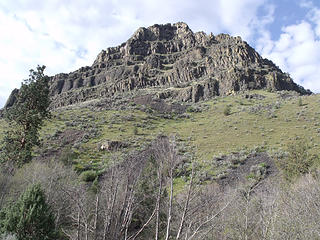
[[181, 64]]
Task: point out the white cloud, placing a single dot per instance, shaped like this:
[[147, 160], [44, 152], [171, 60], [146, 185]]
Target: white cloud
[[314, 17], [65, 35], [297, 49], [241, 17], [306, 4]]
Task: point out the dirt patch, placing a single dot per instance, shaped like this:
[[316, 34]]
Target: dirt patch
[[54, 147], [69, 136], [239, 174]]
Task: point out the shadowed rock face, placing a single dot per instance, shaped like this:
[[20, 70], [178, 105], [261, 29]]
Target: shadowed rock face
[[195, 66]]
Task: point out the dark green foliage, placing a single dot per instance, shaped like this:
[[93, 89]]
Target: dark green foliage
[[298, 160], [30, 218], [88, 176], [26, 116]]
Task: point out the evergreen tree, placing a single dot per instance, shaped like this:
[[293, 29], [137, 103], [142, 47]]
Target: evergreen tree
[[30, 218], [26, 116]]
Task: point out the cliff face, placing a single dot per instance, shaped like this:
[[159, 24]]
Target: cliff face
[[197, 65]]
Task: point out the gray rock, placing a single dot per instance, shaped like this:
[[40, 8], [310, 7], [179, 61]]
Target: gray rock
[[171, 55], [12, 98]]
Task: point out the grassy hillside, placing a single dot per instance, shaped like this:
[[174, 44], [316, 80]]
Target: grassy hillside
[[255, 119]]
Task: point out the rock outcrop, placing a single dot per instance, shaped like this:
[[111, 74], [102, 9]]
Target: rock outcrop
[[12, 98], [193, 66]]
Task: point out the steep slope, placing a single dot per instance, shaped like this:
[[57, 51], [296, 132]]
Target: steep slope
[[258, 119], [195, 65]]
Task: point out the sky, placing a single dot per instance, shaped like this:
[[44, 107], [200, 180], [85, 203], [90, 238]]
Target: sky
[[65, 35]]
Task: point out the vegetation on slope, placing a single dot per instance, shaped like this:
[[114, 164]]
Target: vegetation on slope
[[97, 163], [263, 119]]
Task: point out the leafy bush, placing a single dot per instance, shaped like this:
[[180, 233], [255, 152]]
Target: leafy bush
[[227, 110], [297, 161], [251, 176], [88, 176]]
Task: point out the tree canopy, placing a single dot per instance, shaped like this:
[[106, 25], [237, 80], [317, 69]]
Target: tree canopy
[[26, 116], [30, 217]]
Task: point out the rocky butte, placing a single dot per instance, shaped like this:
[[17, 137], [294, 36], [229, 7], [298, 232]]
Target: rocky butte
[[175, 62]]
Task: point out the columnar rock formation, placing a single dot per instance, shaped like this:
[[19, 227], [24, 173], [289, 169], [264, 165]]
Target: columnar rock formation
[[193, 66]]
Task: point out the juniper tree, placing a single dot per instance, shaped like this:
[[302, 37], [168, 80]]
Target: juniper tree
[[30, 218], [26, 116]]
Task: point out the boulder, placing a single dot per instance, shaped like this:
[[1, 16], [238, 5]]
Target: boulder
[[112, 145]]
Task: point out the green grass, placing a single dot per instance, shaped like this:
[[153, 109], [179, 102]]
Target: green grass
[[211, 132]]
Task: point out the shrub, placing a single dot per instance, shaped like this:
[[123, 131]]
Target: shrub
[[88, 176], [68, 156], [263, 165], [297, 161], [251, 176], [135, 130], [227, 110], [190, 109]]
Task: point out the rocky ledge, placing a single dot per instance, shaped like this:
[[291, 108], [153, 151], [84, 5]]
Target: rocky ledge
[[188, 66]]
